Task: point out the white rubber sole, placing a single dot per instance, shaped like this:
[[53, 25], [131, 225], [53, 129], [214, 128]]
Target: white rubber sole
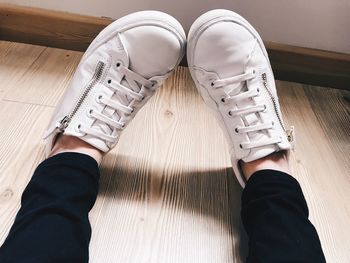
[[150, 17], [199, 26]]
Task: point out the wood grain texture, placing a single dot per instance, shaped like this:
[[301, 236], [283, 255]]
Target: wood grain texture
[[21, 151], [49, 28], [310, 66], [75, 32], [178, 209], [332, 109], [320, 172], [167, 191], [50, 72], [10, 69]]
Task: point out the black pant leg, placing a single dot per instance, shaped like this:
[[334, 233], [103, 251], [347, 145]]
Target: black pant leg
[[52, 224], [275, 216]]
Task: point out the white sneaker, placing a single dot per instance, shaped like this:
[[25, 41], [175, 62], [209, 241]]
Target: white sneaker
[[232, 72], [119, 72]]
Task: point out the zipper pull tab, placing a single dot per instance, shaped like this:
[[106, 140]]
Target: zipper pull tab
[[291, 136], [63, 124]]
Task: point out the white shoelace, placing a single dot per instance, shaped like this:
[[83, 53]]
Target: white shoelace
[[246, 110], [132, 93]]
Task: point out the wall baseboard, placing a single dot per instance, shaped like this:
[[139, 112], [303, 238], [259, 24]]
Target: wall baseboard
[[75, 32]]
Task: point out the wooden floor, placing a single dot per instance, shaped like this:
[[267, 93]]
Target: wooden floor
[[167, 192]]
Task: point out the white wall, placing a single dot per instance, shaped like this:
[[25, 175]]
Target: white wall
[[323, 24]]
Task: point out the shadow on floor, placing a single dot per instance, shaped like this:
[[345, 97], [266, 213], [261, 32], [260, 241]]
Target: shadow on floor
[[214, 193]]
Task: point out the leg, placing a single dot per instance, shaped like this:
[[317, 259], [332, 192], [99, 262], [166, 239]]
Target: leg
[[52, 224], [275, 214], [115, 78], [229, 63]]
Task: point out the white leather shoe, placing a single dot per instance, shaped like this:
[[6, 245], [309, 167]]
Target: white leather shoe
[[119, 72], [232, 72]]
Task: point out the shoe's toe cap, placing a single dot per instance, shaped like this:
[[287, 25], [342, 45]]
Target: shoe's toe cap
[[223, 48], [152, 50]]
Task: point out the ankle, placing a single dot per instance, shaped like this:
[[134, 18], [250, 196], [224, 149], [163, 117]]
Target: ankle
[[65, 143], [276, 161]]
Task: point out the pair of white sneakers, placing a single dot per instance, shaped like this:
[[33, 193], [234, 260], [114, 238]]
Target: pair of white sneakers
[[132, 57]]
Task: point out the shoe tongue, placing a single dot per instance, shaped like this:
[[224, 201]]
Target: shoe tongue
[[253, 60], [257, 60], [236, 64], [122, 98], [235, 89], [112, 113], [138, 66]]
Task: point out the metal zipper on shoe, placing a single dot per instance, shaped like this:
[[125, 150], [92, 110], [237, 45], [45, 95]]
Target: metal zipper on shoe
[[63, 124], [289, 133]]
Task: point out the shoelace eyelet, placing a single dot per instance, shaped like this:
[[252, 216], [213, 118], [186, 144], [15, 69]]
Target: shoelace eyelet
[[78, 129], [236, 130], [154, 83], [212, 84], [89, 112], [109, 81], [98, 99], [240, 146], [118, 64], [265, 108], [230, 113], [223, 100]]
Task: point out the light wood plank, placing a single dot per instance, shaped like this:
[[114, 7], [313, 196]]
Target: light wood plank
[[45, 79], [21, 151], [324, 184], [333, 113], [14, 61]]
